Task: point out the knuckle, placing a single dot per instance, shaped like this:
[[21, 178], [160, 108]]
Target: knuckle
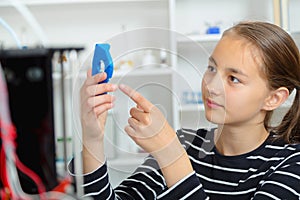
[[90, 102], [108, 106], [108, 98], [87, 91], [147, 120], [95, 111], [138, 97], [96, 89], [106, 87], [132, 111], [129, 120]]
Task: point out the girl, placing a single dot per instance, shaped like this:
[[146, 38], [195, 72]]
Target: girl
[[251, 72]]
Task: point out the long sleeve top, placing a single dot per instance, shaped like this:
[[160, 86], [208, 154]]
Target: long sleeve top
[[272, 171]]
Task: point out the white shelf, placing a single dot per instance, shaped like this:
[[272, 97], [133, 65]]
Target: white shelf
[[143, 72], [200, 38], [192, 108], [135, 72], [59, 2]]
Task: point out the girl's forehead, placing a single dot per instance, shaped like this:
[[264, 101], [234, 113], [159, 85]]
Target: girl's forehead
[[236, 51], [237, 48]]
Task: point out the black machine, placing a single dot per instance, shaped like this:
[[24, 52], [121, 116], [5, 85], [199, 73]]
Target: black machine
[[28, 73]]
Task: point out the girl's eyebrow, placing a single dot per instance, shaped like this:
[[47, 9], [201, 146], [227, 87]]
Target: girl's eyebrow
[[230, 69], [211, 59], [236, 71]]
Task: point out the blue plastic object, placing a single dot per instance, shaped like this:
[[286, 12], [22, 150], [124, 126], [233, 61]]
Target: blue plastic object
[[102, 57], [213, 30]]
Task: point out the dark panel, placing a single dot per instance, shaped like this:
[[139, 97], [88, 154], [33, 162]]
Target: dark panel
[[29, 80]]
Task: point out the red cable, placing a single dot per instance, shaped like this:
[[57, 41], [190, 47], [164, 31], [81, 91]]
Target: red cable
[[33, 176], [3, 172], [11, 138], [61, 187]]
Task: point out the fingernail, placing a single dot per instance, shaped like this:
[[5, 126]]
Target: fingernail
[[113, 98], [122, 86]]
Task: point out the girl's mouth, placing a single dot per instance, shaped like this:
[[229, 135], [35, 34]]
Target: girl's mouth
[[212, 104]]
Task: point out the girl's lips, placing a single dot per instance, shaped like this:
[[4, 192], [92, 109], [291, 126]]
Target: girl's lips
[[211, 104]]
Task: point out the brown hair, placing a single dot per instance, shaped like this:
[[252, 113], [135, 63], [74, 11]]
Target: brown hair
[[280, 57]]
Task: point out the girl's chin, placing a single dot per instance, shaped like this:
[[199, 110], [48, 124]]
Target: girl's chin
[[214, 118]]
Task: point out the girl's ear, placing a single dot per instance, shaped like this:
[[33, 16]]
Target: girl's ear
[[276, 98]]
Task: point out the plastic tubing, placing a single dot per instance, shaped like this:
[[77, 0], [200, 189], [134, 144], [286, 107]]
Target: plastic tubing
[[5, 121], [11, 31], [7, 146], [4, 105], [11, 157], [31, 20]]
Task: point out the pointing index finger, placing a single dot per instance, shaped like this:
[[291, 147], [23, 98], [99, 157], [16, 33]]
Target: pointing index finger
[[141, 101]]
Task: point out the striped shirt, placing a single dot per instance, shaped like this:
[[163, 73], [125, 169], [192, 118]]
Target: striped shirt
[[272, 171]]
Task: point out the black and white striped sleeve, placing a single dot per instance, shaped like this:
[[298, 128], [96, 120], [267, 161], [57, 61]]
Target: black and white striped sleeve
[[187, 188], [96, 184], [146, 182], [283, 182]]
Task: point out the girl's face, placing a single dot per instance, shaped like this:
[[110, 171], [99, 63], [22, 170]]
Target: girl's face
[[234, 88]]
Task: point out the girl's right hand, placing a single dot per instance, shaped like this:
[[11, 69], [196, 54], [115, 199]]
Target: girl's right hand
[[94, 106]]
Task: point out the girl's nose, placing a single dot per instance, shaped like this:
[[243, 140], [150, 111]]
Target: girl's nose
[[214, 84]]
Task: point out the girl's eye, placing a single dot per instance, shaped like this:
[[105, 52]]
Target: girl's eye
[[234, 79], [211, 69]]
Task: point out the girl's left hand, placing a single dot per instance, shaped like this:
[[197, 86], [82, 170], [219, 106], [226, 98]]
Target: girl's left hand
[[148, 127], [150, 130]]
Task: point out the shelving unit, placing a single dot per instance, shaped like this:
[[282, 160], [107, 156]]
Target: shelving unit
[[200, 38], [134, 72], [57, 2], [80, 22], [144, 72]]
